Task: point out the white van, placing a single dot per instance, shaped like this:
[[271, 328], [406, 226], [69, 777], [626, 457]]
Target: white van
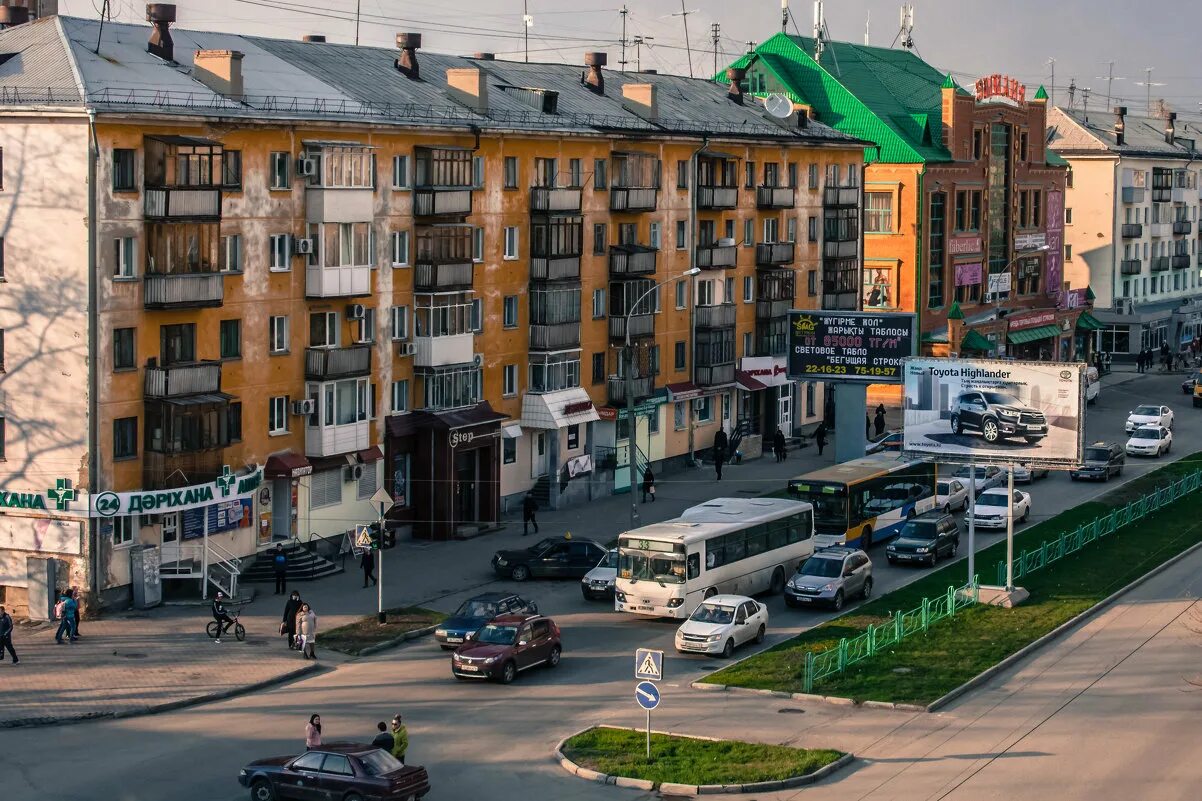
[[1093, 384]]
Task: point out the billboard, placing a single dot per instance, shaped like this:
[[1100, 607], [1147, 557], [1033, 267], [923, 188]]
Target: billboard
[[991, 411], [849, 346]]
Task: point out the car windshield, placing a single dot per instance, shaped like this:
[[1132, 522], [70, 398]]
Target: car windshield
[[830, 503], [919, 531], [1097, 455], [1147, 411], [1146, 433], [497, 635], [824, 568], [966, 472], [712, 613], [543, 545], [379, 762], [1001, 398], [991, 499], [610, 559], [667, 568], [476, 608]]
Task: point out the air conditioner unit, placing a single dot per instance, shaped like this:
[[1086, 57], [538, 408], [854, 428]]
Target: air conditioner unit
[[478, 360], [303, 247], [306, 168], [355, 311], [408, 348], [352, 472], [1124, 305], [304, 407]]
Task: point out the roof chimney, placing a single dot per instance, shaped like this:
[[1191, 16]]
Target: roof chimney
[[735, 75], [1170, 128], [315, 38], [220, 70], [407, 63], [594, 79], [13, 15], [484, 57], [1120, 125], [469, 86], [161, 15], [640, 99]]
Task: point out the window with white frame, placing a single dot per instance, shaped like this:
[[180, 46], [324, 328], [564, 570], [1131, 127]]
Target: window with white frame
[[367, 326], [771, 229], [400, 172], [323, 329], [748, 289], [400, 396], [123, 531], [509, 380], [281, 256], [339, 403], [509, 311], [703, 409], [511, 242], [278, 334], [400, 322], [277, 415], [598, 303], [748, 233], [280, 177], [400, 248], [654, 238], [125, 265], [682, 296], [478, 171], [878, 212], [477, 315], [707, 292], [478, 245], [230, 254], [682, 234]]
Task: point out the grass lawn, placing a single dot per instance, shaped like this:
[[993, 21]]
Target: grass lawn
[[684, 760], [354, 637], [925, 667]]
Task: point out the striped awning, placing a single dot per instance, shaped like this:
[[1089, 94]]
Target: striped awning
[[1033, 334], [1087, 322]]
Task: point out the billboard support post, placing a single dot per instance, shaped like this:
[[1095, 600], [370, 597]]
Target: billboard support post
[[972, 526], [851, 412], [1010, 529]]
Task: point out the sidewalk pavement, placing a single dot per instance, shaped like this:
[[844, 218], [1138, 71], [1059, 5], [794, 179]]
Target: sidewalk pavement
[[135, 662]]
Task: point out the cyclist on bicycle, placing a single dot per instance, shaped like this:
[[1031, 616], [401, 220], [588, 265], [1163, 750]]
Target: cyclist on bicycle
[[224, 621]]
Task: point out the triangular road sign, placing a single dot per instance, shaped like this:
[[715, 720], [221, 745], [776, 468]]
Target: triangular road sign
[[649, 667], [362, 537]]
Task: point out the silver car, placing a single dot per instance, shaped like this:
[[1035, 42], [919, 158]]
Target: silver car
[[598, 583], [829, 578]]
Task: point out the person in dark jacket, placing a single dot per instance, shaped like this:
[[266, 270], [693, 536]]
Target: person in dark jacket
[[288, 624], [529, 508], [224, 621], [778, 444], [879, 420], [648, 484], [6, 635], [820, 436], [279, 565], [383, 739], [368, 563], [720, 443]]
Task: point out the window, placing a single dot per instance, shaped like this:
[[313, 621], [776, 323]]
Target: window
[[123, 531], [812, 283], [682, 288], [600, 239], [878, 212], [598, 368], [509, 311], [748, 233], [791, 229], [703, 409], [678, 415], [552, 372], [400, 172], [511, 242], [968, 210], [323, 329], [705, 292], [509, 380], [477, 171], [231, 339], [177, 343], [124, 265], [1023, 149], [748, 345], [936, 249], [277, 415], [280, 255], [1068, 216], [1068, 252], [600, 174], [793, 174], [812, 174], [230, 254], [977, 140], [771, 230], [280, 179], [749, 174], [511, 172], [728, 290], [653, 235], [832, 175], [400, 396], [575, 173], [123, 170], [233, 421], [400, 248], [1, 259], [682, 175], [399, 322], [653, 360], [123, 349], [231, 170], [125, 438], [678, 355], [598, 303], [367, 326], [278, 335], [812, 229], [477, 315], [682, 234], [573, 437], [748, 289], [478, 245], [771, 173]]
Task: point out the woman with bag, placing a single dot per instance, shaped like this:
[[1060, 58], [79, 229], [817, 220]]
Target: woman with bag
[[648, 484], [288, 624], [306, 624]]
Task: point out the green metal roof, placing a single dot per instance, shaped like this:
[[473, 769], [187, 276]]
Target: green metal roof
[[975, 341], [955, 313], [1087, 322], [1041, 93], [1032, 334]]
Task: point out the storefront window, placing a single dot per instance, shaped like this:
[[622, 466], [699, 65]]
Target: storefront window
[[400, 479]]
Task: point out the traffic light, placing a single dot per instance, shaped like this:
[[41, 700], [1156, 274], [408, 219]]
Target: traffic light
[[376, 543]]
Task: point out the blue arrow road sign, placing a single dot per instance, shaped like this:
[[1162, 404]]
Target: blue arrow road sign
[[647, 694], [648, 664]]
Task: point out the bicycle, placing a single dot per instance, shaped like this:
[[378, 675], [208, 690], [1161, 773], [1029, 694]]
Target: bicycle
[[213, 629]]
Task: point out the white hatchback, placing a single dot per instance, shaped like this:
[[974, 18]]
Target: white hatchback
[[721, 623]]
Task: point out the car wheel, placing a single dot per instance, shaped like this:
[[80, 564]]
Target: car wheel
[[556, 654], [866, 593], [947, 508], [789, 602], [1032, 441], [509, 672], [838, 602], [778, 581], [728, 649], [710, 592], [1026, 514], [759, 635], [934, 560], [989, 430], [866, 537], [585, 593], [955, 548], [892, 561], [261, 790], [957, 427], [1106, 476], [519, 573]]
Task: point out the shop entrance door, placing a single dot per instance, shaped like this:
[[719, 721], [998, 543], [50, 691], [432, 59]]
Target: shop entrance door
[[467, 501], [281, 509], [169, 552], [784, 406]]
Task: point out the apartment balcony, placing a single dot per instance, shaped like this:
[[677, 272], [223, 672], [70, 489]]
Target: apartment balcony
[[774, 254], [162, 471], [181, 380], [633, 198], [631, 260], [441, 351], [714, 198], [719, 315], [1131, 266], [642, 387], [834, 196], [1180, 261], [715, 375], [641, 326], [339, 204], [716, 257], [835, 249], [772, 309], [555, 200], [183, 290], [1133, 194], [442, 201], [1181, 227], [771, 343], [337, 439], [1164, 195], [328, 364], [775, 197], [1160, 230], [337, 282], [1132, 230], [1180, 193], [439, 276], [555, 268], [1160, 264], [554, 336], [181, 203]]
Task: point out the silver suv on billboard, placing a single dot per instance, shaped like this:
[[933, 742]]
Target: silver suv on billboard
[[997, 415]]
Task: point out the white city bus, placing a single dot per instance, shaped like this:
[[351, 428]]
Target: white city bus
[[727, 545]]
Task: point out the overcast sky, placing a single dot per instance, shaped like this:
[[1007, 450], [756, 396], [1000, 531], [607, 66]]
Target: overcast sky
[[967, 37]]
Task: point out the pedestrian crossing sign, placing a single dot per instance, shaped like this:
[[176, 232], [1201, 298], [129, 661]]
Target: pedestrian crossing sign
[[648, 664], [363, 537]]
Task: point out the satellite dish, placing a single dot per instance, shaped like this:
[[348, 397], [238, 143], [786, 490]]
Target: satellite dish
[[778, 106]]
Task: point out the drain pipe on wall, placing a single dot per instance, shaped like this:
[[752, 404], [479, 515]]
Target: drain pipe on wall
[[692, 242], [93, 335]]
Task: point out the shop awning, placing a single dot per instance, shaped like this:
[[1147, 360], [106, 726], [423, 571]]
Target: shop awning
[[935, 337], [976, 342], [369, 455], [511, 431], [747, 382], [287, 465], [1087, 322], [683, 391], [1033, 334], [404, 425], [554, 410]]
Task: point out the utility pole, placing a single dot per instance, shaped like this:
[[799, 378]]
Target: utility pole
[[638, 43], [622, 61], [1052, 61], [714, 29], [1072, 92], [527, 21], [684, 14], [867, 23], [1085, 92], [358, 3]]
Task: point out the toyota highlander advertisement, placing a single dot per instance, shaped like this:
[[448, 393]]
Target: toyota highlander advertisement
[[986, 411]]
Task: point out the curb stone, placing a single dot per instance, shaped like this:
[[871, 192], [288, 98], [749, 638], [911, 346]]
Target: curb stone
[[671, 788], [394, 642]]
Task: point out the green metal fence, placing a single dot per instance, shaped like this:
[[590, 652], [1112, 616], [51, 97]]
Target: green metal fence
[[1072, 541], [876, 638]]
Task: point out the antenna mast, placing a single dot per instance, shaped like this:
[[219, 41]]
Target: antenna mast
[[819, 41], [906, 34], [784, 16], [1148, 83], [622, 61], [867, 22], [1085, 92], [1110, 79], [1052, 61], [684, 14], [1072, 92], [527, 23], [714, 30]]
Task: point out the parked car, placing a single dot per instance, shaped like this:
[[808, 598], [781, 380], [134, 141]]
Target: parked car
[[830, 577], [1198, 394], [506, 647], [598, 583], [997, 415], [982, 477], [720, 624], [990, 511], [925, 539], [1149, 413], [892, 442], [475, 612], [1025, 474], [1187, 386], [552, 557], [1093, 385], [338, 771], [1102, 460], [951, 495], [1149, 441]]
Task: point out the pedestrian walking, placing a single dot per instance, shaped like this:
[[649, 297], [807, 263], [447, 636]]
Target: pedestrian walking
[[529, 508], [879, 420], [313, 733], [383, 740], [820, 436], [279, 565], [66, 609], [368, 563], [400, 738], [648, 484], [6, 635], [306, 626], [224, 621], [778, 444], [288, 624], [720, 444], [867, 427], [78, 612]]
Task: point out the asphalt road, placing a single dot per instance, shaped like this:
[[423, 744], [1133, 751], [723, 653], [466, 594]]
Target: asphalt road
[[477, 740]]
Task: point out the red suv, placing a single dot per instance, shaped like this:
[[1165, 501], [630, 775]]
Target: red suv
[[507, 646]]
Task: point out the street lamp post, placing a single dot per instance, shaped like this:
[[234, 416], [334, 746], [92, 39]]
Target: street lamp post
[[628, 352], [1020, 254]]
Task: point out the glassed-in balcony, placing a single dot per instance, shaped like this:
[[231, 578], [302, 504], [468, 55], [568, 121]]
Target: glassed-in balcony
[[775, 197], [716, 257], [555, 200], [322, 364], [712, 198], [773, 254], [628, 260], [443, 258]]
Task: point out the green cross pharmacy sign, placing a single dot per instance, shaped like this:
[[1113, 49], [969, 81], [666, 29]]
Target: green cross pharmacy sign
[[228, 486], [57, 498]]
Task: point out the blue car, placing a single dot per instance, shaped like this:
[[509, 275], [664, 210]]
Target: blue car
[[476, 612]]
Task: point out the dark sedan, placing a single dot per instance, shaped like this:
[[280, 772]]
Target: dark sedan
[[335, 771], [471, 616], [924, 539], [553, 557]]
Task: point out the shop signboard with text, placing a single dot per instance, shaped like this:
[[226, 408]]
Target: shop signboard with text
[[229, 486], [988, 411], [849, 346]]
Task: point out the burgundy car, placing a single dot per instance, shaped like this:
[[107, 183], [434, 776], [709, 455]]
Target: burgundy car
[[337, 771], [507, 646]]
